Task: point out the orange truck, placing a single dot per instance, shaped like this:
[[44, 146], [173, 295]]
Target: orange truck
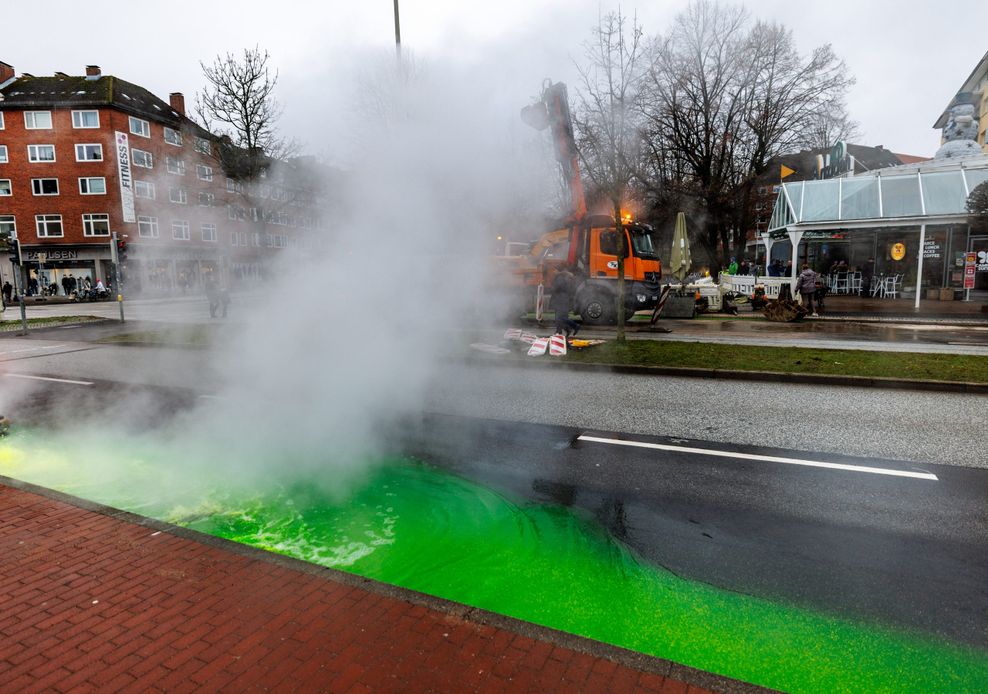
[[585, 244]]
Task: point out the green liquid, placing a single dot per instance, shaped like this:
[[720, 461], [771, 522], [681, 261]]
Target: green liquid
[[409, 524]]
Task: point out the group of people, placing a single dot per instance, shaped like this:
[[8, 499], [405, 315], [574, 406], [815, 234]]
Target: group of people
[[776, 268]]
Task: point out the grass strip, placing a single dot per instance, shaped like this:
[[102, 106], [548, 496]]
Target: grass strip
[[794, 360], [15, 324], [196, 336]]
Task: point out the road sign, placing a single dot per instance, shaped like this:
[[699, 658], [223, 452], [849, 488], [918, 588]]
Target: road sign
[[785, 171], [42, 257]]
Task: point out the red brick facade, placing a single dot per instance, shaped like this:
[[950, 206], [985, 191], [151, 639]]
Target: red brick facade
[[190, 220]]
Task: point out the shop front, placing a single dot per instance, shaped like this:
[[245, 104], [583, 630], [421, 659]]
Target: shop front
[[906, 225], [55, 271]]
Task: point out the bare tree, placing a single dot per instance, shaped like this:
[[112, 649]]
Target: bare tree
[[724, 96], [239, 102], [608, 122]]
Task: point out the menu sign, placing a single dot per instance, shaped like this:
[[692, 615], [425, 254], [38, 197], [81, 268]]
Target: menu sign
[[970, 265]]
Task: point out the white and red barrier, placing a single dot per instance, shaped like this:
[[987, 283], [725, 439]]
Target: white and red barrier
[[557, 346]]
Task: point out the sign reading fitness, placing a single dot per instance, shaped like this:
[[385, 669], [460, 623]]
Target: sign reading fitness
[[126, 180]]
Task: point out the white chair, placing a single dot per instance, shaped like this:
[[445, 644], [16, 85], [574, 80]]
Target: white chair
[[877, 286], [891, 290], [840, 286], [854, 283]]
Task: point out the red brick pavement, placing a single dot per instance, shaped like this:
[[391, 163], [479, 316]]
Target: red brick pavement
[[96, 600]]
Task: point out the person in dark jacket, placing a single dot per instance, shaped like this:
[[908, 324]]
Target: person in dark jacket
[[561, 301], [806, 286]]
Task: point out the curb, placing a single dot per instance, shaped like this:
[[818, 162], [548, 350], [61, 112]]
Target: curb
[[758, 376]]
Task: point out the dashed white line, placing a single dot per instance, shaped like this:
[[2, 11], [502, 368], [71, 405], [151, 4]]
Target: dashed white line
[[762, 458], [54, 380]]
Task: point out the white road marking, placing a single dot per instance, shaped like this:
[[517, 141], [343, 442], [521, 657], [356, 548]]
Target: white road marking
[[32, 349], [763, 458], [45, 378]]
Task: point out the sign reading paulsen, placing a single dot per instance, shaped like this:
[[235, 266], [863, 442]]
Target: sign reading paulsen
[[126, 180]]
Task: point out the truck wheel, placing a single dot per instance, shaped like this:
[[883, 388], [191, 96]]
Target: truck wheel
[[598, 309]]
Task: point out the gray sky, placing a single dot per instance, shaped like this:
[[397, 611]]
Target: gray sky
[[909, 56]]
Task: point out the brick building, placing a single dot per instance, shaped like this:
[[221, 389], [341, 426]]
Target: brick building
[[83, 157]]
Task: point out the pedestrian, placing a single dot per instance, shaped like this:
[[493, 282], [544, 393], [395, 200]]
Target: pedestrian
[[732, 269], [806, 286], [66, 285], [867, 272], [560, 302], [744, 268], [8, 292], [212, 296], [775, 268]]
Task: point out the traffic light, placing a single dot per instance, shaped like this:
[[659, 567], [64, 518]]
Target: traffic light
[[121, 251], [15, 253]]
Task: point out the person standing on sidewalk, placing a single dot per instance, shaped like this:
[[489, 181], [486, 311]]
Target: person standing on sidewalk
[[561, 301], [806, 286]]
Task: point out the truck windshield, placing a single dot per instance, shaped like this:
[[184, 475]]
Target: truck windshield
[[643, 244]]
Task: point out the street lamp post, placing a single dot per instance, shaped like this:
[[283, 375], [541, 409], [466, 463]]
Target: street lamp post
[[397, 34]]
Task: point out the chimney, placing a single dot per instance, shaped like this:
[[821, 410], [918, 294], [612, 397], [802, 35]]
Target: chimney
[[6, 72], [93, 71], [177, 102]]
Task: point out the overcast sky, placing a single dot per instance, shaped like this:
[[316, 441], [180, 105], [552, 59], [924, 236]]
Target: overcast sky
[[909, 56]]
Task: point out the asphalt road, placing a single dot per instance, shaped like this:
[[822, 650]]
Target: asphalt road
[[874, 539]]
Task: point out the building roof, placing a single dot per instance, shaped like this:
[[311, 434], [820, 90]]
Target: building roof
[[933, 190], [66, 91], [866, 159], [964, 94]]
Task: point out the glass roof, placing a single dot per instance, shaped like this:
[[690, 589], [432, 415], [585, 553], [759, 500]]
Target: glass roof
[[934, 190]]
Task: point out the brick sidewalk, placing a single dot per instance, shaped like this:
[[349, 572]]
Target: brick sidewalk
[[94, 599]]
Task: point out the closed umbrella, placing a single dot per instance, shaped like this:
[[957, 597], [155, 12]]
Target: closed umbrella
[[680, 261]]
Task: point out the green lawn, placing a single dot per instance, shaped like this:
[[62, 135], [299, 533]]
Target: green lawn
[[796, 360]]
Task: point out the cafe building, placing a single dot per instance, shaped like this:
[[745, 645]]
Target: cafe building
[[906, 227]]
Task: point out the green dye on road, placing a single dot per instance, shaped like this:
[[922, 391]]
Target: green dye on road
[[409, 524]]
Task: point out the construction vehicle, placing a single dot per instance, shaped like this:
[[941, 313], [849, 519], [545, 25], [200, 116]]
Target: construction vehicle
[[583, 243]]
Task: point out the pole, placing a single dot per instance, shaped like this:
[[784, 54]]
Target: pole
[[116, 273], [919, 269], [397, 34]]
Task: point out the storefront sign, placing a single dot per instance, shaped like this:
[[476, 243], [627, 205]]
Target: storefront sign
[[50, 255], [969, 270], [931, 249], [898, 251], [836, 163], [126, 181], [982, 262]]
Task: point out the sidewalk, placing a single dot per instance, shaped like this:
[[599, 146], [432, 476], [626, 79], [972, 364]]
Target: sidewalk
[[101, 600]]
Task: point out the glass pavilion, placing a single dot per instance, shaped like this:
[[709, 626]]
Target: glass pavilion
[[912, 220]]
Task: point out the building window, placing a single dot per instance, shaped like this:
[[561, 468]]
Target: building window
[[92, 186], [173, 137], [206, 199], [205, 173], [180, 231], [3, 154], [144, 189], [178, 195], [1, 120], [5, 187], [48, 225], [202, 146], [233, 186], [44, 186], [175, 166], [141, 127], [209, 232], [40, 153], [85, 119], [147, 227], [139, 157], [95, 225], [92, 152], [8, 226], [37, 120]]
